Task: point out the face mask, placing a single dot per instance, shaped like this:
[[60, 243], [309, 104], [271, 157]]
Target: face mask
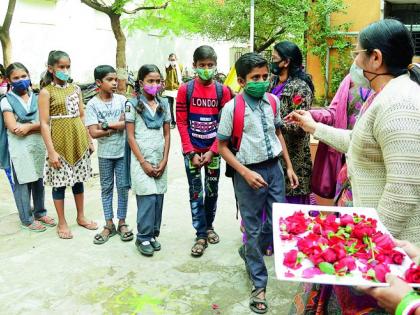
[[63, 76], [152, 89], [205, 74], [358, 77], [275, 69], [256, 89], [3, 90], [21, 85], [172, 63]]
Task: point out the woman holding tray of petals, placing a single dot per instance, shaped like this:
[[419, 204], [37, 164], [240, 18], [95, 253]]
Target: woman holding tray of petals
[[382, 151]]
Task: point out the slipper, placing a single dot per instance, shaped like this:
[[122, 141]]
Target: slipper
[[199, 247], [212, 237], [47, 221], [125, 236], [254, 300], [100, 239], [64, 235], [35, 226], [90, 226]]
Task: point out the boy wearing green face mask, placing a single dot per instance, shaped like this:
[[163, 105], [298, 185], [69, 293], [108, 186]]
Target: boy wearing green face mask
[[258, 177], [197, 114]]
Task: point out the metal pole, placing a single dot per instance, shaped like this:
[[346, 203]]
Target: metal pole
[[251, 31]]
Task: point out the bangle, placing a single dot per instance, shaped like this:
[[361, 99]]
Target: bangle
[[408, 304]]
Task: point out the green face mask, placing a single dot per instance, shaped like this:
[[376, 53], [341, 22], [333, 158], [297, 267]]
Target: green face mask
[[256, 89], [205, 74]]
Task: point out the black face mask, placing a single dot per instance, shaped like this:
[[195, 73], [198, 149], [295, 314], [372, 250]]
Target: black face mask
[[275, 69]]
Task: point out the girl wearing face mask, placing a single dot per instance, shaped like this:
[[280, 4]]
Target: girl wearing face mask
[[295, 90], [68, 144], [3, 81], [382, 150], [148, 121], [23, 148]]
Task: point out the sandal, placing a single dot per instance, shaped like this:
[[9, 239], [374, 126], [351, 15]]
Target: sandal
[[198, 248], [35, 226], [254, 301], [212, 237], [47, 221], [64, 235], [101, 238], [241, 252], [125, 236]]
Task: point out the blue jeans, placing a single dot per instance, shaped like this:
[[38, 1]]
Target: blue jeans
[[22, 194], [251, 204], [149, 216], [203, 203], [108, 168]]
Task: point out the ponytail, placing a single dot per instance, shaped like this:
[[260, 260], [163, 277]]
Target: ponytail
[[414, 72]]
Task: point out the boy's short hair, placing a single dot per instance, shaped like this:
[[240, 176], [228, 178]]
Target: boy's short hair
[[247, 62], [204, 52], [102, 71]]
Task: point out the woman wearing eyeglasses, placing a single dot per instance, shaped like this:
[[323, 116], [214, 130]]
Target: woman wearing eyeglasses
[[383, 149]]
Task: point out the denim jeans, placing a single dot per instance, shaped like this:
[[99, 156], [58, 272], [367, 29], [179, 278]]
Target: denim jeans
[[251, 204], [22, 194], [203, 202], [149, 216]]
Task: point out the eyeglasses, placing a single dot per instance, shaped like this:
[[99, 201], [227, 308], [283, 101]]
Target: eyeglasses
[[355, 53]]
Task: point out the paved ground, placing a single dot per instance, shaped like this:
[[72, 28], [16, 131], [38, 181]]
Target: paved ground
[[41, 274]]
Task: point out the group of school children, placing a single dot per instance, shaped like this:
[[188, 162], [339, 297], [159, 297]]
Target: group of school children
[[49, 142]]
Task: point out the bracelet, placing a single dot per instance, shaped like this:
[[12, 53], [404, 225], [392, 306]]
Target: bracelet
[[408, 304]]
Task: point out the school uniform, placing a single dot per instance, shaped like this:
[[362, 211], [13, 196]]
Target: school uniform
[[25, 155], [110, 153], [260, 151], [149, 136]]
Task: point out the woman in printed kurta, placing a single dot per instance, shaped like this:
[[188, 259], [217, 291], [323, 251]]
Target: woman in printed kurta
[[148, 131], [23, 148], [295, 90], [67, 141]]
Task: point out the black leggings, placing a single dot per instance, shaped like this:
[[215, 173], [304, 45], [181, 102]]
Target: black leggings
[[58, 193]]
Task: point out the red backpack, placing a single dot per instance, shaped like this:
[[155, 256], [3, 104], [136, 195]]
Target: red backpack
[[239, 117]]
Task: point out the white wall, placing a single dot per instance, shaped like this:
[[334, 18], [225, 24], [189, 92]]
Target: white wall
[[40, 26]]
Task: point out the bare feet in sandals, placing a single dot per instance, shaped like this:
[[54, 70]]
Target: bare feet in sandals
[[64, 232], [87, 224], [198, 248], [46, 220], [35, 226], [258, 303], [212, 237]]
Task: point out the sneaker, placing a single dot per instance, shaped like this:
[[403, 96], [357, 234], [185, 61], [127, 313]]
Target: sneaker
[[145, 248], [155, 244]]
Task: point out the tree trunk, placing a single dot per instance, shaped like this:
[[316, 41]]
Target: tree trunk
[[121, 62], [6, 45]]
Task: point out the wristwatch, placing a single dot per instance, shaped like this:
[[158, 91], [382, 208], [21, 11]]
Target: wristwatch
[[105, 125], [191, 154]]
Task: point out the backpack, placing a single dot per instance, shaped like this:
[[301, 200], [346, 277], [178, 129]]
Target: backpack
[[190, 90], [238, 125]]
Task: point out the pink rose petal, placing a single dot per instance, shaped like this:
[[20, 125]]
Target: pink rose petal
[[311, 272], [288, 274]]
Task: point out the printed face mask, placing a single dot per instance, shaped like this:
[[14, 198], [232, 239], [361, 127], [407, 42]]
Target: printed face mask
[[21, 85], [62, 75], [152, 89], [205, 74], [256, 89]]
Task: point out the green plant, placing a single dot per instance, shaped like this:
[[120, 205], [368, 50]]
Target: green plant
[[324, 37]]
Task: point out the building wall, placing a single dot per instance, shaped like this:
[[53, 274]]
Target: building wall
[[40, 26], [359, 13]]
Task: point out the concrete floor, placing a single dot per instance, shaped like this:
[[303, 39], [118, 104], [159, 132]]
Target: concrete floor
[[41, 274]]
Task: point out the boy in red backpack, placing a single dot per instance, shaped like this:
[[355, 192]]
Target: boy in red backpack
[[197, 114], [251, 142]]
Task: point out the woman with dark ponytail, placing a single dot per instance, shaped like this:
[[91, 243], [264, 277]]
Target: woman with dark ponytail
[[294, 87], [383, 158]]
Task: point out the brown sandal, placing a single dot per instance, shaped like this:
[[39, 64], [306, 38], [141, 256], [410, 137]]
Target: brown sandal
[[212, 237], [100, 238], [199, 247]]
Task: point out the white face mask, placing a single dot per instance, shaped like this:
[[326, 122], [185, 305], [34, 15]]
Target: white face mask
[[358, 77], [3, 89], [172, 63]]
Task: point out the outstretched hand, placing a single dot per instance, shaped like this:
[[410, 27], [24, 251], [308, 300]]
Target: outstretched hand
[[302, 119]]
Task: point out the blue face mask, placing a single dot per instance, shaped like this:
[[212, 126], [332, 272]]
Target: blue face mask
[[63, 76], [21, 85]]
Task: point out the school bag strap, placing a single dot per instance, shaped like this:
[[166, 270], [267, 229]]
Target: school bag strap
[[239, 117], [190, 90]]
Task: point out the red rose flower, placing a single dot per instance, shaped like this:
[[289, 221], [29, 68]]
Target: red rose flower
[[380, 272], [297, 223], [346, 219], [383, 241], [412, 275], [340, 251], [297, 100], [397, 257], [290, 259], [345, 265], [329, 255]]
